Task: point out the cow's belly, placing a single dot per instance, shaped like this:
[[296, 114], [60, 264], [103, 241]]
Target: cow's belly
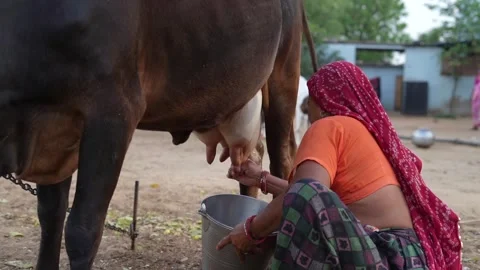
[[206, 99], [195, 73], [199, 111], [52, 149], [238, 135]]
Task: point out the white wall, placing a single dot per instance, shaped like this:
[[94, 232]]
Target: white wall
[[424, 64], [421, 64], [388, 77]]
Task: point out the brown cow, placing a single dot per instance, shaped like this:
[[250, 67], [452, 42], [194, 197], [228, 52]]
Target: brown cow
[[78, 77]]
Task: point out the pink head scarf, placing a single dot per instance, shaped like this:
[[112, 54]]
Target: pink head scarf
[[341, 88]]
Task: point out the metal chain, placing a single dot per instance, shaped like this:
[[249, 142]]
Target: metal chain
[[25, 186], [113, 227], [117, 229]]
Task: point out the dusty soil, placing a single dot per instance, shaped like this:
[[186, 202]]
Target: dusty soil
[[174, 180]]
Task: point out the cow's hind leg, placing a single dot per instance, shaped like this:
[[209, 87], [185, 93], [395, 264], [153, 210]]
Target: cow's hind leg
[[257, 157], [52, 207], [280, 111], [108, 130], [281, 144]]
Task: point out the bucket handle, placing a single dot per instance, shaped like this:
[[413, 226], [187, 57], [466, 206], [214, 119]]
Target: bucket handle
[[203, 212]]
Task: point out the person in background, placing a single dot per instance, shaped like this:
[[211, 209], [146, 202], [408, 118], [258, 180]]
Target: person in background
[[476, 102], [355, 198]]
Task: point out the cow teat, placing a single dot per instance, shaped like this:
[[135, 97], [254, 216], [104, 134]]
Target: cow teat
[[180, 137]]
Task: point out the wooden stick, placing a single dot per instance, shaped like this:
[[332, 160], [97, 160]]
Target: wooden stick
[[133, 229]]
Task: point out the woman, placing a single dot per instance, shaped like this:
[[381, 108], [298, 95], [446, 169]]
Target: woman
[[476, 103], [355, 198]]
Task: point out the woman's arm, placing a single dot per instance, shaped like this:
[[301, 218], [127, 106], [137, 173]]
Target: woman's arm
[[269, 220], [276, 186], [251, 174]]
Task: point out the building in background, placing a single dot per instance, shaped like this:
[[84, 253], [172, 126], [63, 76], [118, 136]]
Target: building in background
[[420, 85]]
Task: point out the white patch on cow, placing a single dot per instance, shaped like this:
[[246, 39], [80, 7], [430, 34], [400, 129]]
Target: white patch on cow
[[300, 119], [239, 133], [300, 122]]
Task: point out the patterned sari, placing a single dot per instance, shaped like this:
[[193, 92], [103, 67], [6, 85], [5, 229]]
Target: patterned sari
[[319, 232]]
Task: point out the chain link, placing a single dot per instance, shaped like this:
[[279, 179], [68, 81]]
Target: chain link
[[25, 186], [117, 229]]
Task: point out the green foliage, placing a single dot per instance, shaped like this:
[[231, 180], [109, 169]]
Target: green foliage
[[324, 56], [434, 36], [374, 20], [461, 25], [462, 19], [360, 20], [323, 19], [456, 56]]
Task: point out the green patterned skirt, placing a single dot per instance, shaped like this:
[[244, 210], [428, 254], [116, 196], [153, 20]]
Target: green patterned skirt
[[319, 232]]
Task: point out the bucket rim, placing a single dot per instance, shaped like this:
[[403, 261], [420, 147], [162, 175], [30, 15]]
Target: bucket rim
[[216, 222]]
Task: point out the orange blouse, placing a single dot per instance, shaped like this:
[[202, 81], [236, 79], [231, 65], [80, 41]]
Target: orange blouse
[[350, 154]]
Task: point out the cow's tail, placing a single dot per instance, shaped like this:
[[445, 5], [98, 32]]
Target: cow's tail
[[308, 36]]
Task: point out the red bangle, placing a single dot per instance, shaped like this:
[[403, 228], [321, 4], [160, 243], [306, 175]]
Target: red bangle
[[248, 232], [263, 182]]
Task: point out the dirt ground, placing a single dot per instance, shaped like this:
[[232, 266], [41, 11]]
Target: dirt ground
[[174, 180]]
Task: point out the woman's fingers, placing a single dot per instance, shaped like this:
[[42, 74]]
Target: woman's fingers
[[225, 241], [228, 240], [233, 174]]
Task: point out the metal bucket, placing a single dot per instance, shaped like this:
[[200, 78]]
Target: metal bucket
[[220, 213]]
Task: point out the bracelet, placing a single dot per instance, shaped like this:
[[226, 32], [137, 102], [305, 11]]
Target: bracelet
[[263, 182], [248, 232]]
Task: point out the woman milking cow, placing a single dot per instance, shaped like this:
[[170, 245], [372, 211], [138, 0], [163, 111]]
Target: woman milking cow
[[355, 198]]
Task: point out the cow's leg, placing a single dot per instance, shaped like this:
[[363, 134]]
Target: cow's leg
[[52, 207], [107, 133], [102, 151], [292, 144], [257, 157], [279, 114]]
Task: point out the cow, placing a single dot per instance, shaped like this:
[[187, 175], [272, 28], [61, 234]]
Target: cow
[[77, 78], [300, 116]]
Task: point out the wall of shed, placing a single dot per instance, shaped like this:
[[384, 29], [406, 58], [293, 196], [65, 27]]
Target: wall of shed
[[424, 64], [387, 83]]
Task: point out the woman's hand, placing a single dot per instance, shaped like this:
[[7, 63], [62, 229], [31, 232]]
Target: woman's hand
[[249, 174], [240, 241]]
